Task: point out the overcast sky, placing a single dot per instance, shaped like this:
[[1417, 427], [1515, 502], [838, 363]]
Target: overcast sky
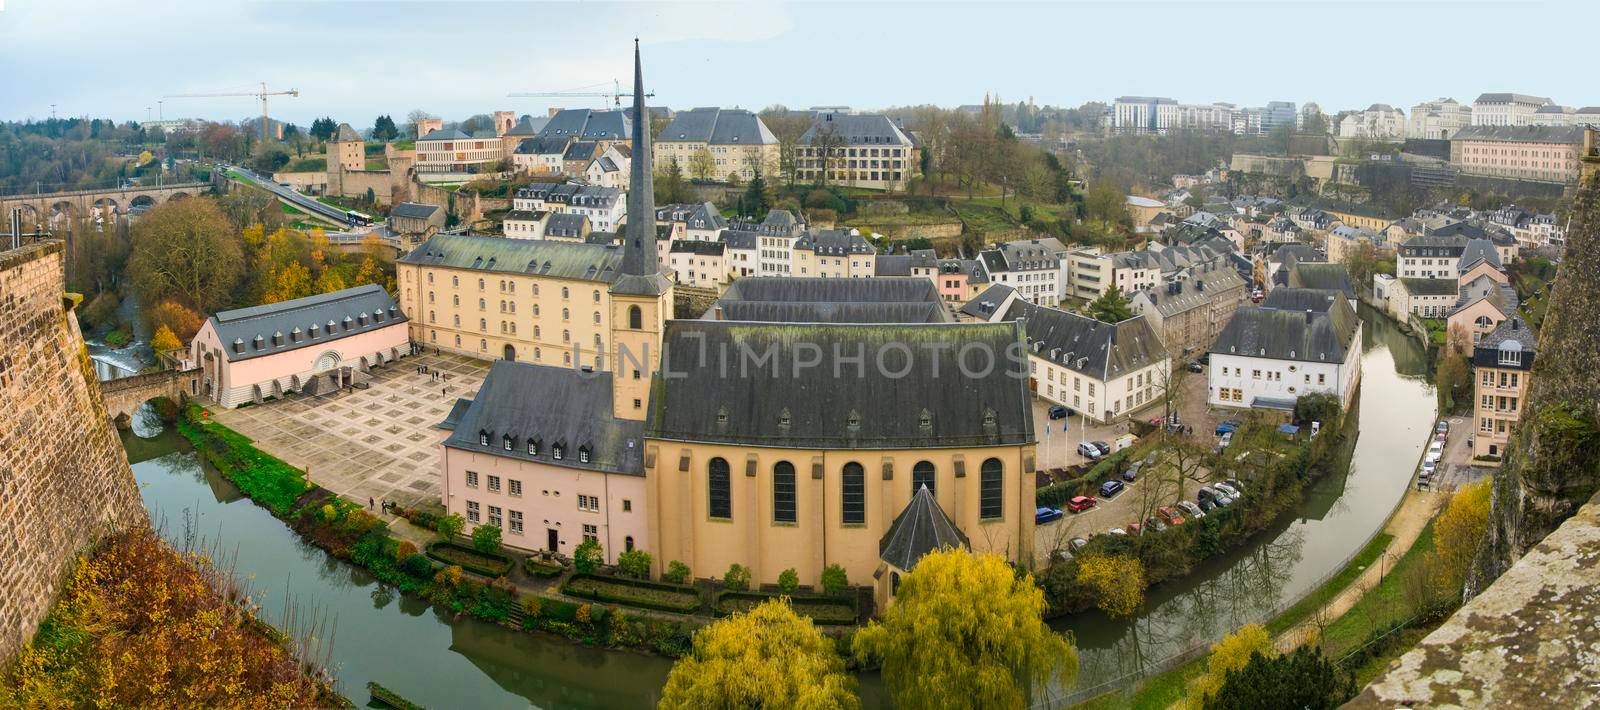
[[356, 59]]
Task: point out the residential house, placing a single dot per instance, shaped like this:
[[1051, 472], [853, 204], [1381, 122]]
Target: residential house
[[833, 252], [608, 170], [415, 220], [858, 150], [700, 264], [731, 142], [1299, 341], [1502, 364], [1037, 268], [1190, 310]]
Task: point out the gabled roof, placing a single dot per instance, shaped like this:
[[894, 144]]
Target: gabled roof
[[857, 129], [1512, 335], [750, 384], [1313, 275], [718, 127], [312, 321], [565, 224], [1305, 325], [834, 242], [698, 247], [543, 145], [588, 124], [1082, 344], [533, 257], [346, 134], [1478, 251], [550, 406], [413, 210], [920, 529], [893, 265], [989, 303], [910, 299], [528, 126]]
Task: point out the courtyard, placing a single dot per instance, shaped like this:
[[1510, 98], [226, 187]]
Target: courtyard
[[377, 443]]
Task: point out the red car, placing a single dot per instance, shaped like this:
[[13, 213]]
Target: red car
[[1134, 529], [1081, 503], [1170, 515]]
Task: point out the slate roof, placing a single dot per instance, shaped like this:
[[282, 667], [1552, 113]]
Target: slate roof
[[346, 134], [694, 215], [1193, 291], [1514, 335], [698, 247], [565, 260], [1485, 288], [1478, 250], [776, 401], [528, 126], [1082, 344], [1506, 98], [312, 321], [988, 302], [718, 127], [919, 529], [834, 242], [588, 124], [1291, 254], [771, 312], [543, 145], [445, 134], [413, 210], [893, 265], [457, 410], [740, 239], [1430, 287], [550, 406], [524, 216], [1521, 134], [858, 129], [1305, 325], [581, 150], [1321, 276], [565, 224], [819, 289]]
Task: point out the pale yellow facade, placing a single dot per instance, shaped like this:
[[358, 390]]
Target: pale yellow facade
[[543, 320], [805, 262], [678, 472]]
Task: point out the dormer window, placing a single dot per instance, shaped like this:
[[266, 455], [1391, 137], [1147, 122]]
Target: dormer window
[[533, 447], [853, 421], [583, 454], [722, 415], [556, 451], [506, 442], [988, 417], [925, 420], [257, 342], [783, 418], [483, 437]]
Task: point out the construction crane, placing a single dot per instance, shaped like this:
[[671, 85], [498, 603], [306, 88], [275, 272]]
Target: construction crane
[[262, 94], [616, 94]]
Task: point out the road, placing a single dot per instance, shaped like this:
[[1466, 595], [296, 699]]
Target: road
[[289, 195]]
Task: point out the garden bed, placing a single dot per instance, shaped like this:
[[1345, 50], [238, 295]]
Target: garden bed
[[541, 568], [632, 592], [821, 610], [480, 563]]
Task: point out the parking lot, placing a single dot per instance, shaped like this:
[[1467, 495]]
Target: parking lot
[[376, 443], [1456, 469], [1058, 449]]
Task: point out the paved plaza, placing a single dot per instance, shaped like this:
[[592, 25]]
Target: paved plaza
[[377, 443]]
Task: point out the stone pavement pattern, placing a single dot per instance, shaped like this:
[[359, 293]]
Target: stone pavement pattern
[[377, 443]]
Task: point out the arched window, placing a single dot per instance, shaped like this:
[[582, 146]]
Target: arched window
[[566, 314], [783, 493], [991, 484], [597, 317], [627, 544], [719, 494], [922, 475], [853, 491], [565, 293], [597, 296], [635, 318]]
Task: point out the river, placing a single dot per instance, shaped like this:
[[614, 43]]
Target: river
[[1282, 564], [441, 661]]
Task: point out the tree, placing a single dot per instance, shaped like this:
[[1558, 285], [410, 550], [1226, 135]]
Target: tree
[[634, 563], [1111, 307], [834, 579], [164, 340], [588, 557], [449, 526], [369, 273], [329, 281], [1361, 260], [1301, 679], [1229, 654], [670, 185], [291, 282], [1117, 580], [788, 581], [1317, 407], [989, 648], [1107, 203], [769, 657], [486, 538], [416, 116], [701, 164], [101, 311], [677, 572], [756, 202], [324, 128], [384, 129], [1453, 379], [186, 249], [737, 578], [1458, 531]]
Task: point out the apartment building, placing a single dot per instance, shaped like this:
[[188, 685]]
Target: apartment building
[[1523, 152], [859, 150], [834, 253], [1190, 310], [1377, 122], [736, 142], [1036, 268], [1503, 109], [1502, 364], [696, 221], [448, 150], [1438, 119], [698, 263], [605, 207], [1299, 341]]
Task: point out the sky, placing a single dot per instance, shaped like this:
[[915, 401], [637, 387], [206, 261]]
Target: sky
[[356, 59]]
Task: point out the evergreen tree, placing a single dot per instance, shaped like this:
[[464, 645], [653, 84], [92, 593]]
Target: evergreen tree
[[1111, 307], [1302, 679], [384, 129], [756, 201], [323, 128]]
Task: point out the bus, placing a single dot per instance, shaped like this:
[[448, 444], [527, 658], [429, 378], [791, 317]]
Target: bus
[[356, 219]]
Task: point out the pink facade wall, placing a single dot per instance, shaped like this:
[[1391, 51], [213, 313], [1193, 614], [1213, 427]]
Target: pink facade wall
[[952, 287], [237, 378], [549, 501]]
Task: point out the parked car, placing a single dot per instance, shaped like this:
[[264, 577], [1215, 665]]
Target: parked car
[[1443, 427], [1196, 366], [1117, 531], [1156, 524], [1045, 515], [1435, 451], [1191, 509], [1059, 412], [1228, 489], [1132, 474], [1078, 543], [1225, 441], [1110, 489], [1089, 451], [1135, 529], [1081, 503], [1235, 484], [1170, 515], [1207, 505], [1429, 466], [1205, 493], [1105, 449]]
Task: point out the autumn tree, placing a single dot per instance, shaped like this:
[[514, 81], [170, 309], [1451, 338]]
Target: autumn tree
[[1111, 306], [1452, 379], [1230, 654], [292, 281], [174, 316], [767, 657], [164, 340], [186, 249], [1458, 531], [989, 647], [329, 281], [1117, 581], [701, 164]]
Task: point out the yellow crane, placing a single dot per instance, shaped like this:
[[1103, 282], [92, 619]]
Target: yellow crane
[[262, 95]]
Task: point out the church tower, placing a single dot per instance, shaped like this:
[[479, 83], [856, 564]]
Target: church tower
[[641, 299]]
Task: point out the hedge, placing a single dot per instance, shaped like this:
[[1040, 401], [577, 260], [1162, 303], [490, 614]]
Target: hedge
[[634, 592], [464, 557], [821, 609], [539, 568]]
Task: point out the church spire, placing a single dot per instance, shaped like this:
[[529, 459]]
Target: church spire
[[639, 239]]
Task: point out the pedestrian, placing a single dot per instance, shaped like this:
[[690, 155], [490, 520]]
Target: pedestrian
[[370, 502]]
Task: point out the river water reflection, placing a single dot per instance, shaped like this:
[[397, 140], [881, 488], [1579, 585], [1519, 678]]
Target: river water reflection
[[1283, 563]]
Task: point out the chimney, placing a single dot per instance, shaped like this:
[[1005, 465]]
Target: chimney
[[1309, 316]]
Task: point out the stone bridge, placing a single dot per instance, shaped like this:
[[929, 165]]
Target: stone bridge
[[124, 395], [53, 209]]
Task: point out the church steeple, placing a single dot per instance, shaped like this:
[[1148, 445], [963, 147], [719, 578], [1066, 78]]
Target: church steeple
[[639, 238]]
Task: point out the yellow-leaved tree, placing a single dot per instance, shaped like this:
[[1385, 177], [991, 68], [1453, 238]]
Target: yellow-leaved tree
[[293, 281], [1117, 580], [1459, 530], [329, 281], [1229, 654], [965, 631], [767, 657], [165, 340]]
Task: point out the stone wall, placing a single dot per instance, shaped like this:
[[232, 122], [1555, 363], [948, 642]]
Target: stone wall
[[64, 478]]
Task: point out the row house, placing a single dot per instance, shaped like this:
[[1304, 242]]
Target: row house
[[1502, 363], [1036, 268]]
